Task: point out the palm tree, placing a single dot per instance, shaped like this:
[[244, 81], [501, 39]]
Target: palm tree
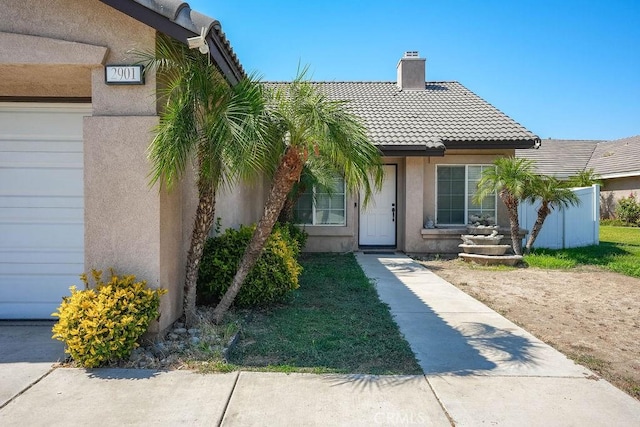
[[204, 119], [585, 178], [321, 179], [308, 129], [552, 194], [510, 179]]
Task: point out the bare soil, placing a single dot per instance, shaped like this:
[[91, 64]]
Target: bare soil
[[590, 315]]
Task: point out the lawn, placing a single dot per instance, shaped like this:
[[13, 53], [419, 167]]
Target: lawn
[[333, 323], [618, 251]]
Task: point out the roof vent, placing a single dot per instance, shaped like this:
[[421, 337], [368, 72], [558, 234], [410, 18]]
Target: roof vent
[[411, 71]]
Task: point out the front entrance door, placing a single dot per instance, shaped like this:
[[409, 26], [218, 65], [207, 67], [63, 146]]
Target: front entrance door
[[378, 218]]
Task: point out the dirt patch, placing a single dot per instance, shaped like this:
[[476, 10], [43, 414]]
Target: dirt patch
[[590, 315]]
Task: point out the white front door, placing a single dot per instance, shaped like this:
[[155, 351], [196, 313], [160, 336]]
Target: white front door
[[378, 218], [41, 206]]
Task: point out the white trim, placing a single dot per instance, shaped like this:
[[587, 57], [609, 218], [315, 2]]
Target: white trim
[[49, 107], [621, 175]]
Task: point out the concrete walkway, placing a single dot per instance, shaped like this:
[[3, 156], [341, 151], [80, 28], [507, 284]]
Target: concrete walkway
[[484, 369], [480, 370]]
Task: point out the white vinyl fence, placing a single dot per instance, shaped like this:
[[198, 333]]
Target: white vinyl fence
[[572, 227]]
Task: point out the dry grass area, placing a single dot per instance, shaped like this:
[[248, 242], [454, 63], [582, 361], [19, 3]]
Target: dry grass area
[[591, 315]]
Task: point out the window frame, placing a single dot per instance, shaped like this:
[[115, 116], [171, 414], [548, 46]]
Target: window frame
[[313, 208], [466, 193]]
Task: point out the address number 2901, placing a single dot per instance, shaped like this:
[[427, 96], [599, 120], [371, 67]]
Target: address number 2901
[[124, 75]]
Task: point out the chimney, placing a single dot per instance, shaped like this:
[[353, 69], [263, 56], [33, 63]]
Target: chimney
[[411, 71]]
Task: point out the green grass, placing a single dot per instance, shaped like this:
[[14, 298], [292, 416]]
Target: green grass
[[623, 235], [619, 251], [333, 323]]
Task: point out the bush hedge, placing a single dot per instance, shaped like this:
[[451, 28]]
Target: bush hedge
[[104, 323], [628, 210], [273, 277]]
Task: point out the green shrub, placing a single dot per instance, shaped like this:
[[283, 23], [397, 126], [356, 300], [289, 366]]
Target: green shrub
[[104, 323], [628, 210], [296, 233], [273, 277]]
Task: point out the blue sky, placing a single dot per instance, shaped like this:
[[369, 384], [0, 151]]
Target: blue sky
[[564, 69]]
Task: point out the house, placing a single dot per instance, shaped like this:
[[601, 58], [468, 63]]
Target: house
[[74, 191], [617, 162], [436, 138]]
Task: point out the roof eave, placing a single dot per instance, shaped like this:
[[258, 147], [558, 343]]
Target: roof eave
[[411, 150], [488, 145], [620, 175], [220, 55]]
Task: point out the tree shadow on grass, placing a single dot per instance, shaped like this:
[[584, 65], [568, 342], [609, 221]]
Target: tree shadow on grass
[[601, 254]]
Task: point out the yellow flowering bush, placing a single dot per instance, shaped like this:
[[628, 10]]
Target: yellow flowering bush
[[104, 323]]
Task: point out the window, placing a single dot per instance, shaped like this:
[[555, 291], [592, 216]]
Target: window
[[456, 186], [317, 207]]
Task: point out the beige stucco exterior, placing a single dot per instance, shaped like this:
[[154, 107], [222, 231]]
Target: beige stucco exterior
[[57, 49], [416, 200], [613, 190]]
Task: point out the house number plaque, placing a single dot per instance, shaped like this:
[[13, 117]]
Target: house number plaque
[[124, 75]]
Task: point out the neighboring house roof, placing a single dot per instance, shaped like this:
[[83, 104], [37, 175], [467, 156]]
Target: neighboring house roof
[[176, 19], [565, 157], [616, 159], [560, 157], [444, 115]]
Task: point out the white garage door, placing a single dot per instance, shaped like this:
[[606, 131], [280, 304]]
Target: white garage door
[[41, 206]]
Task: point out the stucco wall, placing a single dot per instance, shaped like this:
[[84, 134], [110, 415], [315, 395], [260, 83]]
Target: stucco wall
[[80, 21], [414, 211], [122, 214], [242, 204], [615, 189], [128, 225]]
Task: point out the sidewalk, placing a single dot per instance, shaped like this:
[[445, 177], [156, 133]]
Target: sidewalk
[[480, 370], [484, 369]]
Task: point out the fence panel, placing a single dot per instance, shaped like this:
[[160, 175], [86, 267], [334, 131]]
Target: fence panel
[[572, 227]]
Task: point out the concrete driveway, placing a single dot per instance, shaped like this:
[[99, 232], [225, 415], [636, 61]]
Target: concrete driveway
[[27, 354]]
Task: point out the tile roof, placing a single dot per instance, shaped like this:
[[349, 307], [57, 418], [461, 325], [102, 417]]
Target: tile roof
[[444, 112], [560, 157], [619, 157]]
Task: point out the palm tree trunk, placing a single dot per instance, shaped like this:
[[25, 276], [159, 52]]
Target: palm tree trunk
[[201, 227], [287, 174], [512, 209], [543, 212]]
